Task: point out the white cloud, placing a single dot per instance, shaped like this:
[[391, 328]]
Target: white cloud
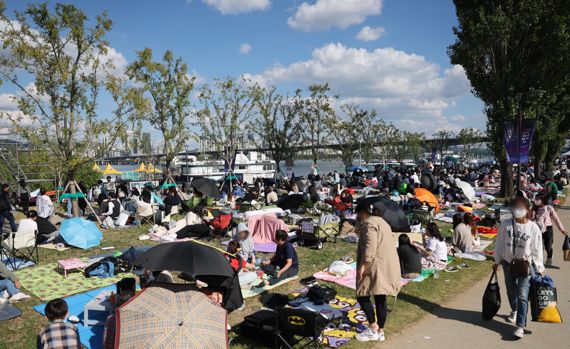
[[245, 48], [370, 33], [7, 102], [401, 86], [325, 14], [234, 7]]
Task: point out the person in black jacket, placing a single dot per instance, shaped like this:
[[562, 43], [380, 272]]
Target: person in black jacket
[[410, 258], [6, 208], [170, 200]]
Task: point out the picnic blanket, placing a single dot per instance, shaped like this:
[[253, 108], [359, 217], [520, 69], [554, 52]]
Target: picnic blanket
[[263, 227], [346, 310], [52, 246], [349, 279], [20, 263], [46, 282], [91, 336], [265, 247], [255, 291]]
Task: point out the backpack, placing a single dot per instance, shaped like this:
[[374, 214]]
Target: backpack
[[321, 294], [103, 269]]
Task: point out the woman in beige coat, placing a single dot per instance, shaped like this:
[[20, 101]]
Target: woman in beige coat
[[378, 270]]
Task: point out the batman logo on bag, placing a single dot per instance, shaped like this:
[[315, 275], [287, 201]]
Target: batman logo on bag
[[296, 320]]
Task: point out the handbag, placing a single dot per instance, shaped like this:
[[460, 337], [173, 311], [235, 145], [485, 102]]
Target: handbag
[[491, 298], [566, 248], [518, 266]]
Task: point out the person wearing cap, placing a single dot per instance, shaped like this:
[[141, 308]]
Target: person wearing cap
[[378, 271], [247, 251]]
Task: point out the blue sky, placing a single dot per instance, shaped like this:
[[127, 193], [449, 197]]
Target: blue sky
[[405, 73]]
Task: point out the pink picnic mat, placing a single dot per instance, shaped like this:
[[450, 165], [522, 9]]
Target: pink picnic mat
[[349, 280]]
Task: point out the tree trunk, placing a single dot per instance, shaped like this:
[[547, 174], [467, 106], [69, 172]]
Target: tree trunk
[[74, 200], [507, 185]]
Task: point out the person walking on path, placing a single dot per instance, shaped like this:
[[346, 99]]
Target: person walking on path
[[519, 250], [378, 270], [545, 216]]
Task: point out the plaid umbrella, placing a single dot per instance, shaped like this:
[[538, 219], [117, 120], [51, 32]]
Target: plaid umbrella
[[171, 316]]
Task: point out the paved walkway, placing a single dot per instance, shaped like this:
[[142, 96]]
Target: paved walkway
[[458, 324]]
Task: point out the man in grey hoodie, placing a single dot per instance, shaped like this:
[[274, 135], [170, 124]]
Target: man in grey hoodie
[[247, 252]]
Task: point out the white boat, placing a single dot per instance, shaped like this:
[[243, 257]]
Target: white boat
[[247, 167]]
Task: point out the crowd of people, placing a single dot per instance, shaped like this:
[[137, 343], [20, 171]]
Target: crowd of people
[[380, 265]]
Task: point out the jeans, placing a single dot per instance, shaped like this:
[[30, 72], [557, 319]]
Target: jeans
[[547, 240], [381, 309], [8, 285], [10, 217], [517, 291]]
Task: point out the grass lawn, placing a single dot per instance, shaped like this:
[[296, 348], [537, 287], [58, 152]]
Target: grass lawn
[[413, 302]]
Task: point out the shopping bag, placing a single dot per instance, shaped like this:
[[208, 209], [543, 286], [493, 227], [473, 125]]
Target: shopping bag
[[566, 249], [543, 300], [491, 298]]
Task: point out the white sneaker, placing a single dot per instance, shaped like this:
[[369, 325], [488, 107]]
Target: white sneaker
[[367, 335], [519, 332], [20, 296], [381, 337], [241, 307], [4, 295], [512, 318]]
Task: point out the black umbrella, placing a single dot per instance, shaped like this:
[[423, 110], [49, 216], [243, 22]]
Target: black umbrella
[[428, 181], [392, 213], [290, 202], [207, 187], [192, 258]]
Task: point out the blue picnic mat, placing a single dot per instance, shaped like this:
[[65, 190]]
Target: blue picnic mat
[[91, 336], [20, 263]]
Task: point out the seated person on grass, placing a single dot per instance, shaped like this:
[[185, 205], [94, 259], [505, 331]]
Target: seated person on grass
[[247, 247], [58, 333], [244, 269], [410, 258], [9, 282], [285, 259]]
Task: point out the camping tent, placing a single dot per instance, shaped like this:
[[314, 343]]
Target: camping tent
[[263, 227], [110, 170], [141, 168], [80, 233], [425, 195]]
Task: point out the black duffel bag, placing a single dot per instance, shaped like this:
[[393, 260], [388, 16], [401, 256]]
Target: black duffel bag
[[321, 294]]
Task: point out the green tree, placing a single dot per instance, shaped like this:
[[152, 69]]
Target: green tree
[[279, 124], [167, 87], [227, 107], [65, 60], [352, 131], [510, 48], [317, 109]]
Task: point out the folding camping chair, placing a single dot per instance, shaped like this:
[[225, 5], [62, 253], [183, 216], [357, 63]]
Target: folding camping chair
[[423, 216], [315, 234], [291, 323], [222, 224], [20, 247], [146, 213]]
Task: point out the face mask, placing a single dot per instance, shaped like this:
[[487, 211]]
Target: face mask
[[519, 212]]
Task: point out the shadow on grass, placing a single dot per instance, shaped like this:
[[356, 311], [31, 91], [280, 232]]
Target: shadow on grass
[[467, 316]]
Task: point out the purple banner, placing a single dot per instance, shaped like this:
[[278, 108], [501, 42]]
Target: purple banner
[[512, 142]]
